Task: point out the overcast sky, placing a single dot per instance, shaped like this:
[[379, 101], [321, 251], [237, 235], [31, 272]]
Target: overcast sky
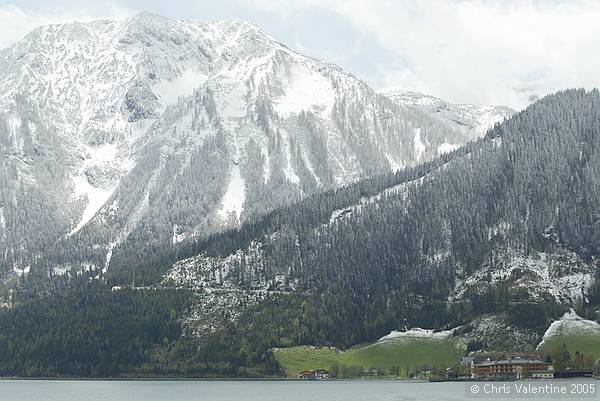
[[485, 52]]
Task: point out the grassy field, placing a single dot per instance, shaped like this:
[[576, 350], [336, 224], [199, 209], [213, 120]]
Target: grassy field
[[577, 333], [588, 344], [406, 352]]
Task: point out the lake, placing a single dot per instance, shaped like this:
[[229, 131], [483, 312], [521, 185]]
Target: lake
[[92, 390]]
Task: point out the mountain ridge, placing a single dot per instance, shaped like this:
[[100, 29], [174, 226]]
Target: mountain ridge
[[474, 120], [126, 122]]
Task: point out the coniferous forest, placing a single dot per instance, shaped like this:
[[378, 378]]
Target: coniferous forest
[[342, 267]]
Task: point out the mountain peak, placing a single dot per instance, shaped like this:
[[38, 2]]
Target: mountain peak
[[246, 107], [409, 97], [147, 15], [226, 26], [148, 18]]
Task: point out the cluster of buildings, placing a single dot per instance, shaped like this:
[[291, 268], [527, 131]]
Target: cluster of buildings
[[510, 366], [316, 374], [354, 372]]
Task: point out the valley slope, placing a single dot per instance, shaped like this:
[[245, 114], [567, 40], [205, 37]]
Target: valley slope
[[494, 241], [497, 236], [221, 196]]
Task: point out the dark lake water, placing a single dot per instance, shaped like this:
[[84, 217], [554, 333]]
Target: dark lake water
[[76, 390]]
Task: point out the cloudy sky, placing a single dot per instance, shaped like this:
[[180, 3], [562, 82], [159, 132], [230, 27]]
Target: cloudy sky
[[485, 52]]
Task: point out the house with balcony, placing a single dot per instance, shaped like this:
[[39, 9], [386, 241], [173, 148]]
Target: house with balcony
[[515, 366]]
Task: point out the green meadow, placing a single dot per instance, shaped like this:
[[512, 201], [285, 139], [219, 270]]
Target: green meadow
[[403, 353], [588, 344]]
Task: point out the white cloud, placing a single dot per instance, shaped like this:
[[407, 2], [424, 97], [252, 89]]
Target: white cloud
[[477, 51], [16, 22], [470, 51]]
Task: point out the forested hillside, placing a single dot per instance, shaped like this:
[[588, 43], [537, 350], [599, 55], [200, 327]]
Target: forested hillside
[[505, 229], [79, 327], [506, 224]]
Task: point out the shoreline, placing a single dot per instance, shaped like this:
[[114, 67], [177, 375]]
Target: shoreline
[[274, 379], [216, 379]]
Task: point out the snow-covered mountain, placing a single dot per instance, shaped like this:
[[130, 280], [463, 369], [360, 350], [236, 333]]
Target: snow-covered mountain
[[472, 120], [126, 137]]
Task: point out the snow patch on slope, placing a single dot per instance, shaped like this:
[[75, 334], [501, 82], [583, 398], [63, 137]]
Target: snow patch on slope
[[102, 166], [418, 144], [395, 166], [233, 201], [177, 238], [288, 170], [183, 85], [447, 148], [22, 271], [571, 324], [267, 163], [417, 333], [309, 166], [308, 90], [102, 154], [95, 198]]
